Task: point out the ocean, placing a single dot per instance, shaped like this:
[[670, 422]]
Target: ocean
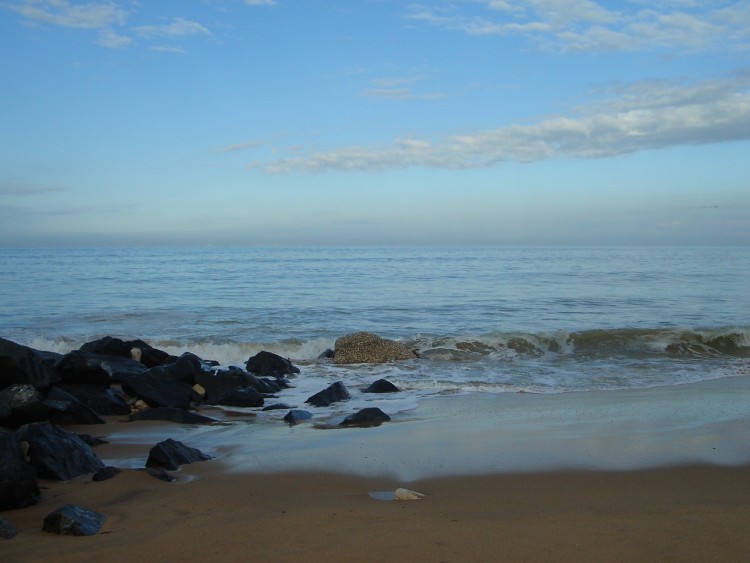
[[486, 321]]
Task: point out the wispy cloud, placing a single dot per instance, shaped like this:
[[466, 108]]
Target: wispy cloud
[[586, 25], [93, 15], [399, 88], [636, 117], [179, 27], [113, 40], [239, 146], [26, 189]]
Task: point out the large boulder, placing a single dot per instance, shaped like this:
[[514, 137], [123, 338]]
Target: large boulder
[[21, 364], [381, 386], [221, 383], [56, 453], [146, 354], [158, 391], [101, 399], [368, 348], [371, 416], [18, 486], [243, 397], [170, 454], [269, 364], [67, 409], [24, 404], [332, 394], [185, 369]]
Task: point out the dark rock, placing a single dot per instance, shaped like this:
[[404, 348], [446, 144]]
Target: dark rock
[[103, 400], [18, 486], [83, 367], [5, 411], [106, 473], [159, 473], [382, 386], [109, 346], [222, 383], [184, 369], [21, 364], [297, 415], [276, 407], [169, 414], [159, 392], [327, 354], [244, 397], [267, 386], [368, 348], [170, 454], [7, 530], [371, 416], [266, 363], [74, 520], [57, 453], [25, 403], [331, 394], [69, 410]]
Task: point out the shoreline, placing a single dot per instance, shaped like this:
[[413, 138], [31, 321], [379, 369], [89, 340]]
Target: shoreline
[[684, 513]]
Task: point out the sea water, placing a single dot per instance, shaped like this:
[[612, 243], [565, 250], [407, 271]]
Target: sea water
[[492, 321]]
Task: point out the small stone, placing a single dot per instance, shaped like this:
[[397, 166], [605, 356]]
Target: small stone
[[7, 530], [74, 520]]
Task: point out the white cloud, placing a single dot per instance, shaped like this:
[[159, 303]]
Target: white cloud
[[642, 116], [93, 15], [180, 27], [112, 40], [585, 25], [240, 146]]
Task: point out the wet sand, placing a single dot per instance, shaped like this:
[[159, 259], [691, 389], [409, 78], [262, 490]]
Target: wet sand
[[673, 514]]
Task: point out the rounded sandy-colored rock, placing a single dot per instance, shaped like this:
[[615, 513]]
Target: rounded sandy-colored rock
[[368, 348]]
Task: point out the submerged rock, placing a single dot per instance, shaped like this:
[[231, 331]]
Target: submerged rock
[[170, 414], [267, 363], [371, 416], [170, 454], [74, 520], [368, 348], [381, 386], [332, 394]]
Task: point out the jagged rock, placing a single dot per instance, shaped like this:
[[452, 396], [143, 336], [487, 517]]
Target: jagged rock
[[105, 473], [103, 400], [244, 397], [381, 386], [371, 416], [368, 348], [222, 382], [109, 346], [297, 415], [331, 394], [184, 369], [25, 403], [169, 414], [57, 453], [266, 363], [160, 392], [18, 486], [170, 454], [21, 364], [83, 367], [68, 409], [7, 530], [74, 520], [92, 441]]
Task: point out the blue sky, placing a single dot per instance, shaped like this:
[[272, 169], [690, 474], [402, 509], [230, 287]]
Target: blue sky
[[262, 122]]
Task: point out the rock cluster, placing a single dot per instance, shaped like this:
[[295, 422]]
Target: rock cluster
[[42, 391]]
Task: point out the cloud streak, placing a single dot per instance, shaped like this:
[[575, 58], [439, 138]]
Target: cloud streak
[[588, 26], [641, 116]]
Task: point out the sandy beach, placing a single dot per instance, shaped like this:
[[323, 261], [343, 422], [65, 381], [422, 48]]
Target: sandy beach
[[675, 514]]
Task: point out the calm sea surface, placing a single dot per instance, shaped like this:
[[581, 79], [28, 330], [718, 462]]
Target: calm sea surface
[[489, 319]]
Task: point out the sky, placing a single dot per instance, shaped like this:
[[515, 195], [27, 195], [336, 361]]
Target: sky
[[374, 122]]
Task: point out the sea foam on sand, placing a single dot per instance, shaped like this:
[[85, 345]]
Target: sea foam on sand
[[698, 423]]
